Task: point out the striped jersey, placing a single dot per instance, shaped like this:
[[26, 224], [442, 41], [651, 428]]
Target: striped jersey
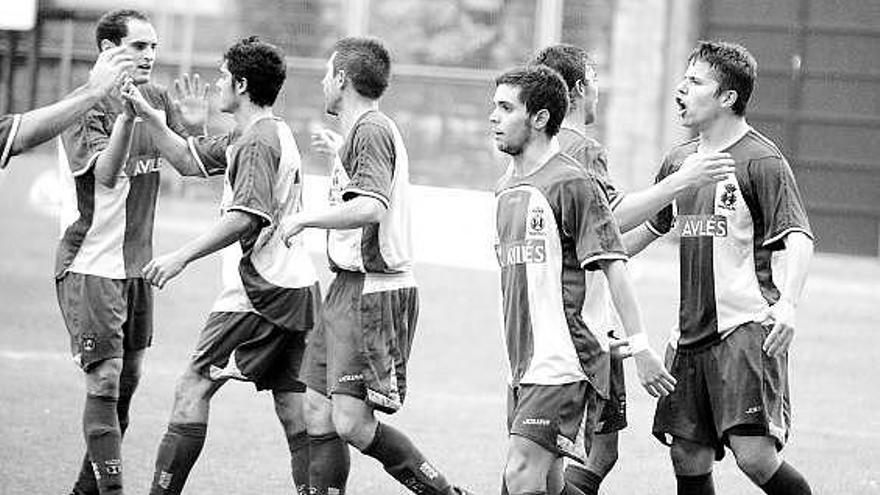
[[551, 225], [373, 162], [263, 177], [8, 129], [728, 233], [108, 231], [598, 311]]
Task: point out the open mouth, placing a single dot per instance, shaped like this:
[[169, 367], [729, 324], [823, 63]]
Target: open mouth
[[682, 108]]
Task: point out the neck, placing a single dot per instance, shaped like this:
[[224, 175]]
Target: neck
[[248, 113], [575, 120], [720, 133], [353, 106], [532, 155]]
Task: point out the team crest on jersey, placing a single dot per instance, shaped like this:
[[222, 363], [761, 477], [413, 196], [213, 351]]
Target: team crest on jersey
[[88, 342], [535, 222], [728, 197]]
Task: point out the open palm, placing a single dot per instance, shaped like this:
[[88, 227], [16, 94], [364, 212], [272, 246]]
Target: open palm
[[191, 98]]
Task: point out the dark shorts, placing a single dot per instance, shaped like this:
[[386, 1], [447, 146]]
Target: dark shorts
[[612, 417], [246, 346], [731, 387], [552, 415], [105, 317], [363, 339]]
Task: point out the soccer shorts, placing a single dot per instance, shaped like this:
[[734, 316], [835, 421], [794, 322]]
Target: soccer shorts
[[362, 343], [552, 415], [245, 346], [105, 317], [731, 387]]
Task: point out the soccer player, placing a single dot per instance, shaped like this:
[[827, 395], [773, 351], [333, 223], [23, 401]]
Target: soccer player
[[106, 305], [730, 355], [553, 222], [257, 327], [20, 132], [356, 360], [574, 65]]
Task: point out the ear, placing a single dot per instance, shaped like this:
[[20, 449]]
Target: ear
[[540, 119], [339, 79], [240, 86], [728, 98], [580, 88], [107, 44]]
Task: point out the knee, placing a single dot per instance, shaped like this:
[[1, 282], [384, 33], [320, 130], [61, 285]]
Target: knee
[[318, 414], [289, 409], [605, 460], [516, 469], [757, 463], [348, 426], [103, 378], [191, 390], [689, 458]]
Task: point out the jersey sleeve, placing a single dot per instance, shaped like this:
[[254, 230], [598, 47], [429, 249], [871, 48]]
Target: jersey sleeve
[[209, 152], [778, 199], [8, 129], [597, 163], [661, 223], [586, 217], [86, 139], [251, 177], [373, 155]]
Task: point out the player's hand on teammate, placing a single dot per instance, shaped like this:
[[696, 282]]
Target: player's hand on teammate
[[652, 374], [290, 227], [135, 100], [619, 348], [110, 70], [162, 269], [701, 169], [326, 142], [191, 99], [783, 318]]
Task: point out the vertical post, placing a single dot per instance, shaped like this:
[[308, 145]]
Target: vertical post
[[34, 62], [66, 62], [9, 70], [357, 17], [548, 28]]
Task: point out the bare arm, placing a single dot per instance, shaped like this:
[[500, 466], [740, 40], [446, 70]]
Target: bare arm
[[41, 124], [637, 239], [654, 377], [357, 212], [232, 226], [110, 160], [799, 253], [697, 170]]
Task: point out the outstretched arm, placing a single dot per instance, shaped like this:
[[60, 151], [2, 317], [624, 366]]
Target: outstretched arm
[[354, 213], [697, 170], [232, 226], [798, 252]]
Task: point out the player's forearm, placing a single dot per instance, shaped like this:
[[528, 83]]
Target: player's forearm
[[233, 225], [44, 123], [173, 148], [110, 161], [799, 253], [637, 207], [636, 240], [623, 296], [352, 214]]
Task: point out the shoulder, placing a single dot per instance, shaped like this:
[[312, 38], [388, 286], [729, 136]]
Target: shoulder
[[756, 147], [681, 150], [373, 124]]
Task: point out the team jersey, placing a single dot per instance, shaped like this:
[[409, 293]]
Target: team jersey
[[373, 162], [729, 231], [551, 225], [8, 129], [108, 231], [598, 311], [263, 178]]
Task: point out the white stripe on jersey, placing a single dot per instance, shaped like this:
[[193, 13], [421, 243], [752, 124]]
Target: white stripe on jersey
[[7, 148]]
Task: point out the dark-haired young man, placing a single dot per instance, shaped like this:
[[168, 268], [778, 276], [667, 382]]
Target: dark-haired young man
[[630, 209], [107, 238], [735, 323], [357, 356], [19, 132], [553, 223], [257, 326]]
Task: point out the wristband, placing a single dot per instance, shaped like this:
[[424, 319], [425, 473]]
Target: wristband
[[638, 343]]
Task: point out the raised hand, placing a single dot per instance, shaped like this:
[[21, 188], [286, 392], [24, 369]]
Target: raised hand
[[701, 169], [326, 142], [135, 102], [191, 99], [111, 69]]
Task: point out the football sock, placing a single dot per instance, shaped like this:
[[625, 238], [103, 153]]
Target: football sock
[[786, 481], [178, 451], [127, 386], [329, 464], [101, 429], [700, 484], [583, 479], [299, 461], [403, 461]]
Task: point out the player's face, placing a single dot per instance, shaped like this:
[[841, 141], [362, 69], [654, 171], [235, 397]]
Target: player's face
[[332, 88], [697, 98], [591, 95], [226, 94], [511, 124], [141, 42]]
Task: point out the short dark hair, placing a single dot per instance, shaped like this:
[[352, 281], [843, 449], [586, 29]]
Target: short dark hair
[[734, 66], [262, 64], [366, 62], [540, 88], [113, 25], [568, 60]]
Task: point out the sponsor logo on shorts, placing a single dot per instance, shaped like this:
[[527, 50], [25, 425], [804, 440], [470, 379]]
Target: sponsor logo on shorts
[[754, 410], [113, 467], [87, 342], [429, 471], [536, 422], [357, 377], [165, 479], [702, 225]]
